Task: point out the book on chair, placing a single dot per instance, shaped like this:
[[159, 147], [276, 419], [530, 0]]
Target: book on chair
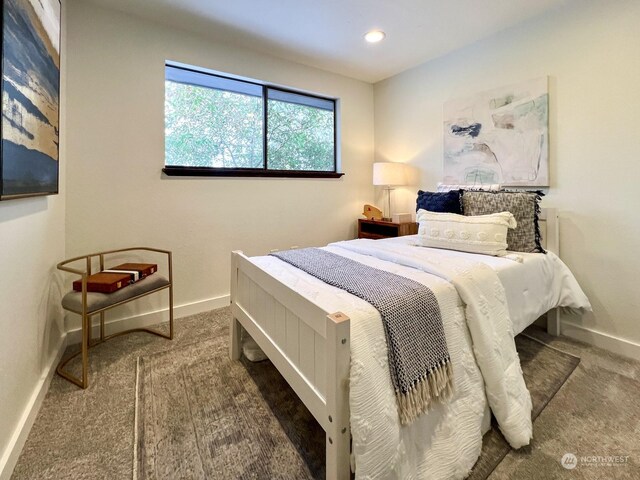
[[113, 279], [104, 282], [143, 269]]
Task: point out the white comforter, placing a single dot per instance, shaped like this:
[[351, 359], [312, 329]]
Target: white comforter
[[446, 442], [488, 321]]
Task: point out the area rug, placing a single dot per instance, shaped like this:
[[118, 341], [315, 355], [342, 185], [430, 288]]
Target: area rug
[[199, 415], [545, 370]]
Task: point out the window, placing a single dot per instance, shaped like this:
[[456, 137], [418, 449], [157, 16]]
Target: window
[[216, 125]]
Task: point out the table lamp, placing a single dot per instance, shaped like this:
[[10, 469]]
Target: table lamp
[[389, 174]]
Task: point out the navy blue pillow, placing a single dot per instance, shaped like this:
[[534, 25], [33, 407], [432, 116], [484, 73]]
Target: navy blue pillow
[[442, 202]]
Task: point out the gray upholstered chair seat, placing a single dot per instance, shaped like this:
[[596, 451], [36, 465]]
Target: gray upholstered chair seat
[[96, 301]]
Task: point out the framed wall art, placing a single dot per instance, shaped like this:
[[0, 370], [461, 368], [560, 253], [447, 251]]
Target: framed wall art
[[499, 136], [30, 98]]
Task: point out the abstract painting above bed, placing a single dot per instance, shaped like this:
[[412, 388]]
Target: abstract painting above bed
[[499, 136], [30, 97]]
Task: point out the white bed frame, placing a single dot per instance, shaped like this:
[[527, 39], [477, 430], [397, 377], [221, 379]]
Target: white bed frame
[[311, 347]]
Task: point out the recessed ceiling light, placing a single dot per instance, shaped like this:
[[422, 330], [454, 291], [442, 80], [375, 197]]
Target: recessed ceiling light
[[374, 36]]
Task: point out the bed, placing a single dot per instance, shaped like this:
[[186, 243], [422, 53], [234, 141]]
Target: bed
[[323, 342]]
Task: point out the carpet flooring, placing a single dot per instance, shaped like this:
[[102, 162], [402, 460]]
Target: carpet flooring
[[90, 434]]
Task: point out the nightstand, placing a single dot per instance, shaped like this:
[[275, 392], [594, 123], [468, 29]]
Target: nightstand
[[375, 229]]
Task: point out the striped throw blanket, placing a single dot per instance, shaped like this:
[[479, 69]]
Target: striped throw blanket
[[419, 360]]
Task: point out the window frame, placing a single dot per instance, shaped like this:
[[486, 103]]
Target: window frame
[[192, 171]]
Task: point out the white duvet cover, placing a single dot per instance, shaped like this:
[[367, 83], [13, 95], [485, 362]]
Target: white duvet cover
[[445, 442], [533, 287]]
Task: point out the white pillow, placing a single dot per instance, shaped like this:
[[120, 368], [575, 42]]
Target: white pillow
[[486, 234]]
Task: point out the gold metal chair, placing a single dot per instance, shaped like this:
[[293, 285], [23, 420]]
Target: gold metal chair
[[87, 304]]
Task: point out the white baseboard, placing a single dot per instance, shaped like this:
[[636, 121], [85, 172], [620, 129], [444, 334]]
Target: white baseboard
[[602, 340], [152, 318], [11, 454]]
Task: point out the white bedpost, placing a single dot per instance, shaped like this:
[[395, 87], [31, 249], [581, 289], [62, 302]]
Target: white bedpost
[[337, 397], [235, 346], [551, 235], [552, 243]]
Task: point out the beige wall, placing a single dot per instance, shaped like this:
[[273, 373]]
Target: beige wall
[[32, 233], [31, 321], [117, 195], [590, 53]]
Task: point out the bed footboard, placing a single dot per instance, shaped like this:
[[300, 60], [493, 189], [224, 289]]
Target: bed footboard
[[309, 346]]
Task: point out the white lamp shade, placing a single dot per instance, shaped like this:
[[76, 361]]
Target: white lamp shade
[[388, 173]]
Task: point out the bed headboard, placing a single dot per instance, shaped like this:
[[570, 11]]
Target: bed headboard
[[549, 230]]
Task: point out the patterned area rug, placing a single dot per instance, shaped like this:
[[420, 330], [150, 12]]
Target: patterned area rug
[[200, 415], [545, 370]]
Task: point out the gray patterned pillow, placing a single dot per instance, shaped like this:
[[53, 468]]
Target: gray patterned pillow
[[523, 205]]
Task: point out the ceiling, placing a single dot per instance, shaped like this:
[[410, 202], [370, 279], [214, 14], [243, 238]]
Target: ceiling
[[328, 34]]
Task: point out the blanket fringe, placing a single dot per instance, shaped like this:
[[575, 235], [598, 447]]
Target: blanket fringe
[[436, 385]]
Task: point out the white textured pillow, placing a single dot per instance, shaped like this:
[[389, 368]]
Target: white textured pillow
[[486, 234]]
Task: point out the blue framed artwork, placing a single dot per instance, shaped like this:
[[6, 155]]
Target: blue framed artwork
[[30, 98]]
